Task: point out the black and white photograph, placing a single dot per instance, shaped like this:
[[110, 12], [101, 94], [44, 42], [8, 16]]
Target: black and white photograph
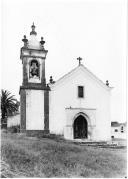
[[63, 88]]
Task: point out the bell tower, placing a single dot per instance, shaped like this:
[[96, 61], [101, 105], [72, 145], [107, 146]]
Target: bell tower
[[34, 93]]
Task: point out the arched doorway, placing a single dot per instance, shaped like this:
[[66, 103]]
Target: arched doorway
[[80, 127]]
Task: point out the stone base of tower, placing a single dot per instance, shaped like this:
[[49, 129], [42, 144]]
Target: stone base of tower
[[34, 110]]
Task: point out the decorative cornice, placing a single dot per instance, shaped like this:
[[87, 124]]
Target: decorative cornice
[[35, 87], [32, 56], [41, 50], [32, 50]]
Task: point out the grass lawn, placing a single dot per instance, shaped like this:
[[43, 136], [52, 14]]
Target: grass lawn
[[31, 157]]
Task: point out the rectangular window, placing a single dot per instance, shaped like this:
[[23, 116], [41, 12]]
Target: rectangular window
[[80, 91]]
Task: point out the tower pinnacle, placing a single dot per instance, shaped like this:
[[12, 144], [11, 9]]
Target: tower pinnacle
[[33, 32], [107, 83]]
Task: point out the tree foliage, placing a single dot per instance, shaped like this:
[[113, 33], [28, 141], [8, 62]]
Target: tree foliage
[[8, 105]]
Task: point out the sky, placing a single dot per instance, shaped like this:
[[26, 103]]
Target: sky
[[92, 29]]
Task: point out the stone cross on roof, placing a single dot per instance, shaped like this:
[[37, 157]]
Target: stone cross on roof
[[79, 58]]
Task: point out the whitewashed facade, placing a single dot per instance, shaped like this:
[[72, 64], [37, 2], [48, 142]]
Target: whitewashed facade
[[66, 106]]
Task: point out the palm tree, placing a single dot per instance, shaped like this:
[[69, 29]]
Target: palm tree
[[8, 106]]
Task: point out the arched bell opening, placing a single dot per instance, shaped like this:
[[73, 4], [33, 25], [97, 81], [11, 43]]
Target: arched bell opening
[[34, 69]]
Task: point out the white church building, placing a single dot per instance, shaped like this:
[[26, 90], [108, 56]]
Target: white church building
[[76, 106]]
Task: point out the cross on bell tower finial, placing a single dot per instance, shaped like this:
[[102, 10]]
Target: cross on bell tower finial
[[79, 58], [33, 32]]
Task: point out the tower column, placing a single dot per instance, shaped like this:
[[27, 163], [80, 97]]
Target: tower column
[[25, 77], [43, 80], [46, 109], [23, 110]]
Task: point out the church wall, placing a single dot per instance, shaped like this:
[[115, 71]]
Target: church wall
[[64, 95], [34, 110]]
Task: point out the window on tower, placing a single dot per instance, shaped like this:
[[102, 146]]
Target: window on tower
[[80, 91]]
